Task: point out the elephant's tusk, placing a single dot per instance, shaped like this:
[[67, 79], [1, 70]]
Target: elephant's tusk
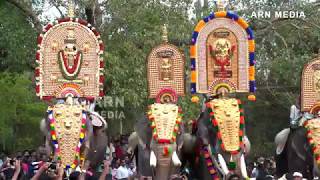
[[243, 167], [175, 159], [153, 159], [223, 164]]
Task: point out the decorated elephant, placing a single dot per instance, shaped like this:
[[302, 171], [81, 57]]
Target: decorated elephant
[[294, 153], [157, 140], [69, 71], [298, 146], [223, 141], [157, 148], [72, 131]]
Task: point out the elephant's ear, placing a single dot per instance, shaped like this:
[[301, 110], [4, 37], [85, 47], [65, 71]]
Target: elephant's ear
[[204, 129], [143, 130], [180, 136]]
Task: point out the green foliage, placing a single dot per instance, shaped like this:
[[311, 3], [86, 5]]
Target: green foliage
[[133, 29], [17, 40], [20, 111]]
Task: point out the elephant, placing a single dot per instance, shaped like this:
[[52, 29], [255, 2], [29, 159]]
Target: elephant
[[151, 162], [95, 141], [219, 162], [294, 153]]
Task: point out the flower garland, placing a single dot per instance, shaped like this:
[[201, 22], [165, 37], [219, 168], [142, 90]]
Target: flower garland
[[210, 166], [314, 145], [251, 48], [70, 73], [56, 143], [215, 124], [39, 56], [166, 150]]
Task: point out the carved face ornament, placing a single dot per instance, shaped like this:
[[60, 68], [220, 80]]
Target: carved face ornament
[[222, 47]]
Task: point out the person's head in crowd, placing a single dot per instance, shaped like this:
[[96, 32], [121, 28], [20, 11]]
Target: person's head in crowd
[[74, 175], [26, 153], [44, 158], [127, 159], [297, 176], [19, 153], [234, 177], [33, 155], [26, 156], [118, 163], [117, 143], [260, 162], [123, 162]]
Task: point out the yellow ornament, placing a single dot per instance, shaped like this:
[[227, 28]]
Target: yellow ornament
[[81, 135], [252, 97], [195, 99]]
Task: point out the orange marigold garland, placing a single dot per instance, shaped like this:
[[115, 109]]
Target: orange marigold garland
[[314, 147]]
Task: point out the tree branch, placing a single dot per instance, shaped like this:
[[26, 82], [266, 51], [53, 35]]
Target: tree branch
[[28, 13], [56, 4]]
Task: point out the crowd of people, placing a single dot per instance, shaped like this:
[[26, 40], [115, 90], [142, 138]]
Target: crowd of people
[[118, 165], [35, 164]]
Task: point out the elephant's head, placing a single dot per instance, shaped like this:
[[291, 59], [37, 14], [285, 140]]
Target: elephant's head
[[221, 126], [160, 135], [72, 131]]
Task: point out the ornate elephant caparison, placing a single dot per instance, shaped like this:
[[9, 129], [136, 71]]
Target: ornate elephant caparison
[[222, 56], [160, 134], [69, 73]]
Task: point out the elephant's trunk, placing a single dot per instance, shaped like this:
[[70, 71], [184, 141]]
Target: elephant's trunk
[[162, 172], [165, 163]]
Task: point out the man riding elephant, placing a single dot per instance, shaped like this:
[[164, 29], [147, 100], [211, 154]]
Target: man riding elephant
[[298, 146]]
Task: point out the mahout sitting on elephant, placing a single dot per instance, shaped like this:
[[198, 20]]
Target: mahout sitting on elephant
[[298, 148]]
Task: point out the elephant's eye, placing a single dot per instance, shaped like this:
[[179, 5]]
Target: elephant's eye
[[77, 114], [58, 113], [174, 110]]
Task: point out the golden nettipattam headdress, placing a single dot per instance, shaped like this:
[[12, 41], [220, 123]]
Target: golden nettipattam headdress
[[69, 60], [165, 66], [222, 54], [310, 86], [69, 66]]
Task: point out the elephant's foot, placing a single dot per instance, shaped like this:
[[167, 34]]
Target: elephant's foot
[[175, 159], [153, 159]]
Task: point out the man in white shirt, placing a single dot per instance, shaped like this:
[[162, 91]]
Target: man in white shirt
[[123, 173]]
